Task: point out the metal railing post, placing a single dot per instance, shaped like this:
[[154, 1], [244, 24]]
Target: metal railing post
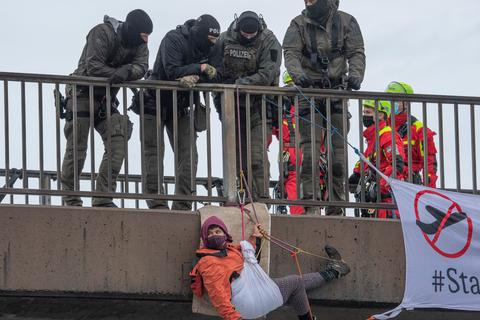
[[229, 145], [46, 184]]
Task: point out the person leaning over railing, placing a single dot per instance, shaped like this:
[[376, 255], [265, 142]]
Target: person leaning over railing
[[183, 55], [118, 51], [324, 49], [370, 117], [250, 54], [416, 138]]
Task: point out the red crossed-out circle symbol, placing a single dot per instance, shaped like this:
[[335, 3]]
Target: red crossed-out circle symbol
[[433, 242]]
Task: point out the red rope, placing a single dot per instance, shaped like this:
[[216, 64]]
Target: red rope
[[242, 210]]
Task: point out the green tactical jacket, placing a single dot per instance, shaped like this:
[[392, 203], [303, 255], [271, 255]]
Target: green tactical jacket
[[104, 52], [257, 63], [297, 43]]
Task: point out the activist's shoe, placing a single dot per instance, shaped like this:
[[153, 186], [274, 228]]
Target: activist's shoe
[[332, 253], [337, 266]]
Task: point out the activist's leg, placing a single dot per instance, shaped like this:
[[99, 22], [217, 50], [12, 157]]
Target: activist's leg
[[294, 287], [294, 293]]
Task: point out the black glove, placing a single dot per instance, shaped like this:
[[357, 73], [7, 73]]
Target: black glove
[[354, 83], [304, 81], [121, 75], [353, 181]]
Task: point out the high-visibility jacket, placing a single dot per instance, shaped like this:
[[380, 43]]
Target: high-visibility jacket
[[288, 137], [386, 154], [418, 147], [215, 271]]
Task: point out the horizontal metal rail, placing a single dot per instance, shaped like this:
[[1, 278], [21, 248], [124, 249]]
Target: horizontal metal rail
[[256, 101], [259, 90]]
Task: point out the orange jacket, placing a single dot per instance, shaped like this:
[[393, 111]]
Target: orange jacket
[[386, 154], [216, 270], [418, 146]]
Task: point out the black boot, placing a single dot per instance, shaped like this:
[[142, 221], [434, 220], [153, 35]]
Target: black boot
[[336, 268]]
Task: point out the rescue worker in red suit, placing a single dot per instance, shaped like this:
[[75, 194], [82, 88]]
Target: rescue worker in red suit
[[221, 263], [370, 117], [289, 153], [417, 138]]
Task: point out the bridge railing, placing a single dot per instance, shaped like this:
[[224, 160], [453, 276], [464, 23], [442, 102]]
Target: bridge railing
[[33, 141]]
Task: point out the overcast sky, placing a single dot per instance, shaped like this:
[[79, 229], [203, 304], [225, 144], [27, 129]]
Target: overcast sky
[[432, 44]]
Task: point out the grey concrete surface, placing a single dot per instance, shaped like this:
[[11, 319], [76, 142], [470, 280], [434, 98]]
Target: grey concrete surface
[[98, 309], [141, 252]]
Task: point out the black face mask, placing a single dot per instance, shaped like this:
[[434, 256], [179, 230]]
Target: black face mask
[[318, 10], [244, 41], [131, 37], [201, 41], [368, 121], [217, 242]]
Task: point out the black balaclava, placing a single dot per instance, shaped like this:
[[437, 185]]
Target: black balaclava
[[248, 22], [319, 10], [206, 25], [137, 22]]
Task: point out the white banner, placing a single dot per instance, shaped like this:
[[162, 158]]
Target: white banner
[[441, 231]]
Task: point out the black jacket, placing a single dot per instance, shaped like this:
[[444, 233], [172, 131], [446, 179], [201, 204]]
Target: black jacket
[[177, 56]]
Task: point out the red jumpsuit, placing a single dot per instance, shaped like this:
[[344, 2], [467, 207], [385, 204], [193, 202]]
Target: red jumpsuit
[[386, 157], [418, 151], [290, 182]]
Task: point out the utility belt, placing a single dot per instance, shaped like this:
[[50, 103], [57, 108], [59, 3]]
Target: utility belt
[[150, 106], [153, 111], [100, 107], [99, 116]]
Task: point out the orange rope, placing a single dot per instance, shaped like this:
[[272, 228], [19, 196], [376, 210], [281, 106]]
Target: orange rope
[[300, 273]]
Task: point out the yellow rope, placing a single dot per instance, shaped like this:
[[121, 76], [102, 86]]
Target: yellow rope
[[296, 249], [242, 176]]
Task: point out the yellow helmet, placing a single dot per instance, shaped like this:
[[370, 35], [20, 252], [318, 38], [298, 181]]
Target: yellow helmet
[[399, 87], [383, 106]]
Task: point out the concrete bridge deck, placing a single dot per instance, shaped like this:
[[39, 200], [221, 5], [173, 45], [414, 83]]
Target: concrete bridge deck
[[147, 254]]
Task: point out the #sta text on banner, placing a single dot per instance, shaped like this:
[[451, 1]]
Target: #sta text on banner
[[441, 232]]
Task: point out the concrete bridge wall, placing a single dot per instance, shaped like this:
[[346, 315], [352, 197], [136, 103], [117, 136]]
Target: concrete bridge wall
[[120, 251]]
